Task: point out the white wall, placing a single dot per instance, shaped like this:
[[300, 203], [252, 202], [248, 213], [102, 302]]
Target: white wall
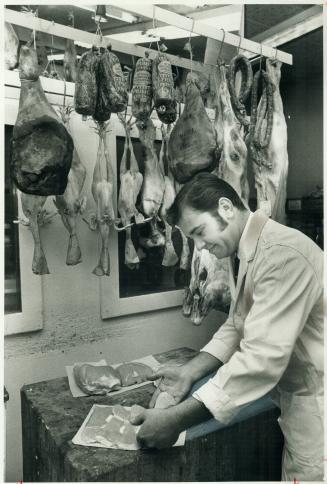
[[73, 328]]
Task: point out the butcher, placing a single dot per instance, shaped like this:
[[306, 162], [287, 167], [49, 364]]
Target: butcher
[[272, 340]]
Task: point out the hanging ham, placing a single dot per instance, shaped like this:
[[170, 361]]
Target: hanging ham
[[269, 155], [192, 143], [142, 89], [163, 89], [71, 204], [10, 47], [86, 87], [130, 185], [42, 148]]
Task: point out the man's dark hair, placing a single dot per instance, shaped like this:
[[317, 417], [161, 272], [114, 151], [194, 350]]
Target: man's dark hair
[[202, 193]]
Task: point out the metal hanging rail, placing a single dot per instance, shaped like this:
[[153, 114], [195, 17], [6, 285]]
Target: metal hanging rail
[[201, 28]]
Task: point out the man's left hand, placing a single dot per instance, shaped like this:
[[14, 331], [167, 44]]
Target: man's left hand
[[158, 429]]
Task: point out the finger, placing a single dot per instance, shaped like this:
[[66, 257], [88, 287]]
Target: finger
[[137, 415], [154, 398], [157, 374]]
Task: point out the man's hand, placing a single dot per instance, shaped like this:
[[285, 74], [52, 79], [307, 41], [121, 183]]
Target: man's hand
[[175, 380], [159, 428]]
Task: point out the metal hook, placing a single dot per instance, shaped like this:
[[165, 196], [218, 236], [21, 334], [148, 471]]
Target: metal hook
[[221, 44], [276, 52]]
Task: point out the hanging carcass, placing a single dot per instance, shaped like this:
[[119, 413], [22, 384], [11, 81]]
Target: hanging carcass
[[192, 143], [72, 203], [170, 257], [42, 148], [268, 143], [153, 187], [103, 191], [130, 185]]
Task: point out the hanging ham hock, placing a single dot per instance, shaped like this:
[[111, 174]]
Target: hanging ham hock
[[42, 148]]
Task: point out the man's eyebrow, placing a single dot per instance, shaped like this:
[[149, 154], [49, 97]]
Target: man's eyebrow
[[196, 228]]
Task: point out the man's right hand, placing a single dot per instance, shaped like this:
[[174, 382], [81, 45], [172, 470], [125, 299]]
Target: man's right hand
[[175, 380]]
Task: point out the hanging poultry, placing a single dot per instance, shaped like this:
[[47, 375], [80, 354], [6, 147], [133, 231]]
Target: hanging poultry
[[102, 191], [71, 204], [153, 187], [130, 185], [170, 257], [42, 148], [192, 143], [269, 144]]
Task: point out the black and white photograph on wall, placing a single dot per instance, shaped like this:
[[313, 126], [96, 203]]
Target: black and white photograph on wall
[[163, 241]]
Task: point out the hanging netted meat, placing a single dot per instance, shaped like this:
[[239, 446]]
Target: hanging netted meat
[[71, 204], [86, 88], [70, 61], [241, 64], [170, 257], [142, 89], [232, 165], [102, 191], [209, 286], [33, 210], [192, 143], [269, 144], [11, 47], [130, 185], [163, 89], [42, 148]]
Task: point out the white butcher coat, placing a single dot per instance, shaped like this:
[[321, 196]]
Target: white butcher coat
[[273, 340]]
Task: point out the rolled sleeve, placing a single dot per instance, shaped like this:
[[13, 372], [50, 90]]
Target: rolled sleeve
[[285, 291], [224, 342]]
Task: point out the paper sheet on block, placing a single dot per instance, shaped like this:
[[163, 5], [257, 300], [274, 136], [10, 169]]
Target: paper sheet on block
[[108, 426], [77, 392]]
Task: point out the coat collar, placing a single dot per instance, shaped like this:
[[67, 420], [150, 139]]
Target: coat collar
[[253, 232]]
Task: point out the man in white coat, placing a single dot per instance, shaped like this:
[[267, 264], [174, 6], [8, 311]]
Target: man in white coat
[[272, 340]]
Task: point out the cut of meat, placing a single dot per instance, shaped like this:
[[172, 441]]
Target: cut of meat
[[192, 143], [132, 373], [11, 47], [163, 89], [42, 148], [86, 88], [96, 380], [142, 89]]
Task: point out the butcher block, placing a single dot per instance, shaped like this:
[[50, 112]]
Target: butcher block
[[51, 417]]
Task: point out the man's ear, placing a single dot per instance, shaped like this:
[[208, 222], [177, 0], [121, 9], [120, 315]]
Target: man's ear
[[225, 209]]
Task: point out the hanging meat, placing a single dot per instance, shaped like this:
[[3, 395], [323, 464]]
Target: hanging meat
[[163, 89], [130, 185], [86, 87], [71, 204], [232, 166], [142, 89], [102, 191], [33, 210], [209, 286], [11, 47], [170, 257], [70, 61], [240, 64], [192, 143], [42, 148], [269, 146]]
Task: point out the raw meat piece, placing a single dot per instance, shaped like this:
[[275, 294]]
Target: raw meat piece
[[142, 89], [86, 88], [170, 257], [163, 89], [102, 191], [11, 47], [96, 380], [32, 206], [164, 400], [70, 204], [132, 373], [209, 286], [192, 143], [118, 433], [271, 172], [70, 61], [130, 185], [42, 148], [121, 412]]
